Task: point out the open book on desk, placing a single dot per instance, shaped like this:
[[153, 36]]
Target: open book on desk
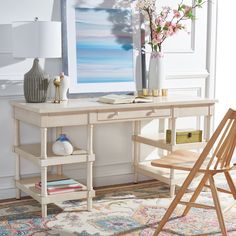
[[123, 99]]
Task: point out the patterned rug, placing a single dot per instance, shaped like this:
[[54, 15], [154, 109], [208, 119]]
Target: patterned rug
[[134, 211]]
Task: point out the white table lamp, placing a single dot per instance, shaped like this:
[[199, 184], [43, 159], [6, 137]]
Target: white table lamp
[[37, 39]]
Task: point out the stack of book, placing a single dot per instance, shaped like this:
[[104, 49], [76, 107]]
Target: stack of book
[[61, 186]]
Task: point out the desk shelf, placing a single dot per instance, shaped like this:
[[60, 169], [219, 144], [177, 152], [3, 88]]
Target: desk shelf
[[158, 141], [27, 185], [161, 174], [32, 153]]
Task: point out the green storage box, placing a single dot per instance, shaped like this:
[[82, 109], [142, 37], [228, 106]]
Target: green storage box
[[185, 136]]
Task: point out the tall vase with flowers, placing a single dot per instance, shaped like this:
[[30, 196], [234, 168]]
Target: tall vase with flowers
[[160, 26]]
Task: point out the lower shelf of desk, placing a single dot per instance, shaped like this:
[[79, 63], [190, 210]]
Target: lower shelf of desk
[[27, 185], [161, 174]]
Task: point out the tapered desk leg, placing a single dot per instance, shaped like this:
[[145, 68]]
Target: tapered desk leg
[[44, 189], [90, 167], [172, 185], [136, 149], [17, 161], [59, 167], [172, 124], [44, 170]]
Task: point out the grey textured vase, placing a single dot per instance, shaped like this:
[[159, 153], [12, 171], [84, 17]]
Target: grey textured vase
[[36, 84]]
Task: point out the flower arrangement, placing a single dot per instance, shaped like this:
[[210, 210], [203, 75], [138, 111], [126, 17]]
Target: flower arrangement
[[168, 22]]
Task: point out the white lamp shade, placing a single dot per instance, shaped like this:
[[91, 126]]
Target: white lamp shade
[[37, 39], [5, 38]]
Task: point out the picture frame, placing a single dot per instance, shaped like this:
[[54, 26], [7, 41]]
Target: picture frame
[[101, 46]]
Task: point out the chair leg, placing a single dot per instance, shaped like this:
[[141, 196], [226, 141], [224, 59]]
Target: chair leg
[[231, 184], [174, 203], [196, 194], [217, 206]]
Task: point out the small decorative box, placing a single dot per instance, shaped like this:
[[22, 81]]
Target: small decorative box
[[185, 136]]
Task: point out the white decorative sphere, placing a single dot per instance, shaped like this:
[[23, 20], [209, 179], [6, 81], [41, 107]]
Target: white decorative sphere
[[62, 148]]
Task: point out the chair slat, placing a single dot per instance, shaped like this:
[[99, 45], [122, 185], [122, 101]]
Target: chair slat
[[217, 150], [230, 146]]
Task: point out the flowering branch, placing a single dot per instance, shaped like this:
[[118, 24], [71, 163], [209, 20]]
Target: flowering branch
[[167, 22]]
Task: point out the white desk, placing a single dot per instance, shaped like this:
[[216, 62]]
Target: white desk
[[89, 112]]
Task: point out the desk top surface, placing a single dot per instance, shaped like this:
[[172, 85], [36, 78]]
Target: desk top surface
[[91, 104]]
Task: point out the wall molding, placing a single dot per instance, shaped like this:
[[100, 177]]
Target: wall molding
[[11, 88], [211, 47], [188, 75]]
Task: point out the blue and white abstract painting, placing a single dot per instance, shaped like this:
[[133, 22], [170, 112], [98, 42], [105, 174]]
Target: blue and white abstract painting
[[104, 46]]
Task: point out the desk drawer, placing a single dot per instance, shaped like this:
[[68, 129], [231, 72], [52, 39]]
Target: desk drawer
[[137, 114], [65, 120]]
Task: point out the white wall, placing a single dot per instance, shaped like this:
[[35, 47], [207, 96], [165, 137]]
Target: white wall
[[225, 69], [188, 73]]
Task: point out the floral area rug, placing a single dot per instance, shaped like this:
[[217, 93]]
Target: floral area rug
[[135, 211]]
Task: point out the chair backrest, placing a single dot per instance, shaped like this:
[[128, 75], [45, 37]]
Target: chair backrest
[[222, 142]]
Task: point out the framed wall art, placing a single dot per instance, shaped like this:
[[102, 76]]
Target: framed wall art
[[99, 47]]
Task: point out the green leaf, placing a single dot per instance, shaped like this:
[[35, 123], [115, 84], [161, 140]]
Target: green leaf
[[158, 29], [190, 15], [165, 28]]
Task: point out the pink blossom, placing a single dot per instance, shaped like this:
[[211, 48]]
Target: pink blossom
[[157, 37], [170, 31], [160, 21], [167, 24], [187, 9], [176, 14]]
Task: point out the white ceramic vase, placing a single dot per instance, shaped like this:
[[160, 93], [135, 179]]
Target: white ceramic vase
[[65, 84], [62, 146], [157, 73]]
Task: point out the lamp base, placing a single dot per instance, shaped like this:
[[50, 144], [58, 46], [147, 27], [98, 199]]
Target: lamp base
[[36, 84]]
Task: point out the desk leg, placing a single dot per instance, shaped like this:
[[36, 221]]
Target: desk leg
[[90, 167], [173, 131], [207, 127], [44, 189], [207, 135], [172, 186], [58, 133], [44, 169], [136, 149], [173, 142], [161, 130], [17, 161]]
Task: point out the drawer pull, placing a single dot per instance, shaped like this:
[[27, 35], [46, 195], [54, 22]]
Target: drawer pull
[[153, 111], [113, 115]]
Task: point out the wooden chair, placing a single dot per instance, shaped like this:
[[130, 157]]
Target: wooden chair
[[214, 159]]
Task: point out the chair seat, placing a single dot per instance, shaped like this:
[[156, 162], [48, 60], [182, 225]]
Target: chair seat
[[182, 160]]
